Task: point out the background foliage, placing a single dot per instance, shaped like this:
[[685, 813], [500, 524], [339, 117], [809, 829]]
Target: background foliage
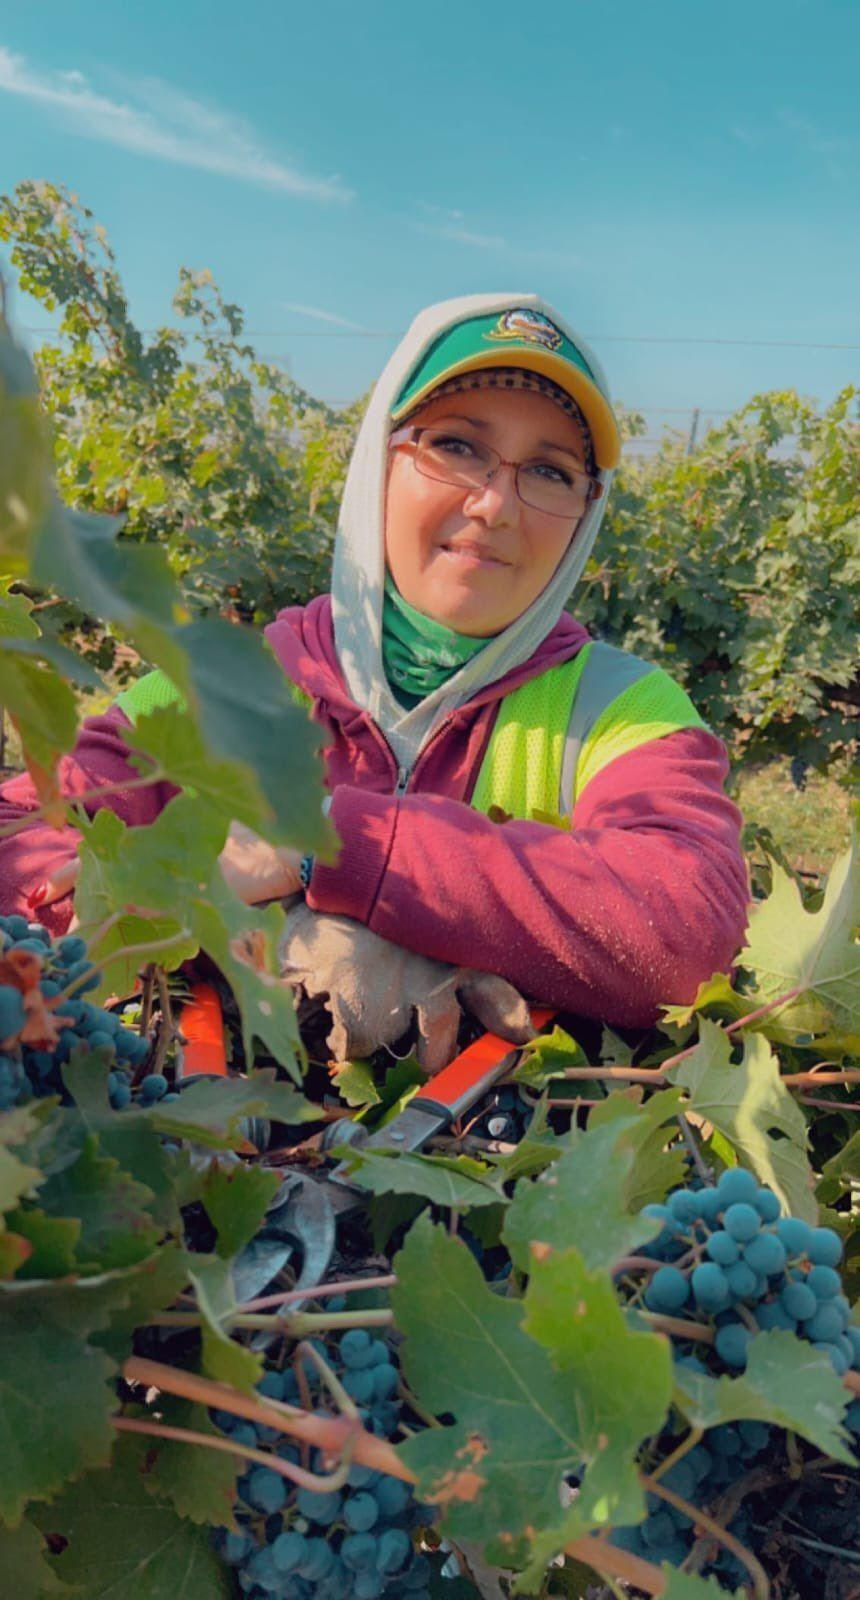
[[737, 567]]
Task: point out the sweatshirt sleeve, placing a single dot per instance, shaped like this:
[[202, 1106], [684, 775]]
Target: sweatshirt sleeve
[[644, 898], [100, 758]]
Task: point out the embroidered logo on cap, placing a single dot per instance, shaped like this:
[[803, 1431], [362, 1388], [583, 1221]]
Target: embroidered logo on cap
[[526, 324]]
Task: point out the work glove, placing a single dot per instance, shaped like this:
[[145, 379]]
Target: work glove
[[372, 987]]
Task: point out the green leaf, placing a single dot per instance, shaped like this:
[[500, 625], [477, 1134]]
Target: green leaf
[[457, 1182], [199, 1483], [41, 704], [748, 1103], [223, 1358], [131, 1138], [538, 1148], [789, 947], [211, 1112], [24, 454], [689, 1586], [717, 996], [53, 1242], [546, 1057], [786, 1381], [116, 1224], [151, 1287], [582, 1199], [170, 736], [122, 1542], [613, 1050], [838, 1174], [56, 1400], [16, 1178], [355, 1084], [236, 1200], [524, 1414], [656, 1168], [26, 1574]]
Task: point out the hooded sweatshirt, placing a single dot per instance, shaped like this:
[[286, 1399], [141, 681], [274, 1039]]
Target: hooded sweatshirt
[[640, 901]]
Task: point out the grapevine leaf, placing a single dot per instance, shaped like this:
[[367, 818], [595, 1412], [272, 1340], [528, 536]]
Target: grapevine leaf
[[199, 1483], [122, 1541], [243, 941], [223, 1358], [656, 1169], [131, 1139], [538, 1148], [152, 1286], [56, 1400], [15, 1249], [547, 1056], [622, 1381], [52, 1240], [786, 1381], [581, 1200], [457, 1182], [715, 993], [789, 947], [169, 736], [689, 1586], [26, 1573], [614, 1052], [41, 704], [520, 1422], [16, 1178], [116, 1226], [840, 1171], [236, 1200], [211, 1111], [24, 454], [749, 1105], [354, 1082]]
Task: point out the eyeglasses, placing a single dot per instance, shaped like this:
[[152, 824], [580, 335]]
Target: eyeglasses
[[451, 457]]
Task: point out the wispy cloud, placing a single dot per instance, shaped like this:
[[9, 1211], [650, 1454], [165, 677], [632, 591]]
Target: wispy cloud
[[449, 230], [495, 242], [155, 119], [322, 316]]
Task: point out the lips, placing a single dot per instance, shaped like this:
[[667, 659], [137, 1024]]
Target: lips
[[479, 552]]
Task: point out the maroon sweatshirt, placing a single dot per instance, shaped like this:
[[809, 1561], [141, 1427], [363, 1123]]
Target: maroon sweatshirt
[[641, 901]]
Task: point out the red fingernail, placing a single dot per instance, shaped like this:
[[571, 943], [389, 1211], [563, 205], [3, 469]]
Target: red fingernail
[[35, 899]]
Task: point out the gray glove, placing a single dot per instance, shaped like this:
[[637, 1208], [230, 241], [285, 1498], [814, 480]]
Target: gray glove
[[373, 986]]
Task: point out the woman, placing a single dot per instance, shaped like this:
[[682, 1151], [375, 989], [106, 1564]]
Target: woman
[[509, 795]]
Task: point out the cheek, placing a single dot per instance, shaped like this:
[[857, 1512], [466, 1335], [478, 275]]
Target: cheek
[[416, 511]]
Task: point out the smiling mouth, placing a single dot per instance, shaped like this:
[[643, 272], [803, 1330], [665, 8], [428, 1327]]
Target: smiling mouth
[[474, 552]]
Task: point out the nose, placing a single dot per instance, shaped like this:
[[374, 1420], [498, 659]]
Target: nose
[[496, 503]]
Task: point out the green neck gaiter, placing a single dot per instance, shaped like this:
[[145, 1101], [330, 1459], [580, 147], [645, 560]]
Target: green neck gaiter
[[419, 654]]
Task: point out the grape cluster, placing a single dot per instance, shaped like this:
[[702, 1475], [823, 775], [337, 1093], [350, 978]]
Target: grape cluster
[[749, 1269], [353, 1543], [729, 1256], [504, 1115], [30, 1059]]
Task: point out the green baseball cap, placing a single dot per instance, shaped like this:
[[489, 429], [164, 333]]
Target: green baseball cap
[[519, 337]]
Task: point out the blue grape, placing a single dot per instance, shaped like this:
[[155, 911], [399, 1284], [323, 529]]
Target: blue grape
[[852, 1417], [359, 1385], [367, 1585], [799, 1301], [394, 1550], [736, 1186], [838, 1358], [323, 1508], [774, 1315], [767, 1205], [825, 1326], [358, 1552], [684, 1205], [385, 1381], [236, 1547], [392, 1497], [657, 1529], [153, 1088], [667, 1291], [266, 1490], [361, 1512], [732, 1343], [795, 1234], [356, 1348], [853, 1334], [722, 1248], [71, 949], [317, 1560], [825, 1248], [824, 1282], [765, 1254], [710, 1287], [742, 1281], [12, 1012], [287, 1551], [742, 1221]]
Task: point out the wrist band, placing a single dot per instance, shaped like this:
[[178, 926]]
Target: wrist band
[[305, 870]]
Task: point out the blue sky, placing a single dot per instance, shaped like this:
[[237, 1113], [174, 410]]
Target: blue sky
[[658, 171]]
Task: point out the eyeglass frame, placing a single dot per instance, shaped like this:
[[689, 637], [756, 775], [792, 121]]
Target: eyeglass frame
[[411, 433]]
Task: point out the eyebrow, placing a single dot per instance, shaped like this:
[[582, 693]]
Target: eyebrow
[[481, 422]]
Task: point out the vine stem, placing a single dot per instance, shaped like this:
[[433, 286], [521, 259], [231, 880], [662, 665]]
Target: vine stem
[[320, 1483], [722, 1536], [692, 1439], [348, 1286], [329, 1434], [298, 1325], [606, 1559], [41, 813]]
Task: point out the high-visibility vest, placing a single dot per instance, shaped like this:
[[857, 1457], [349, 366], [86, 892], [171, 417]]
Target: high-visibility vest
[[551, 735]]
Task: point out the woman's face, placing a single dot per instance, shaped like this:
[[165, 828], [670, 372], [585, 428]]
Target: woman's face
[[474, 559]]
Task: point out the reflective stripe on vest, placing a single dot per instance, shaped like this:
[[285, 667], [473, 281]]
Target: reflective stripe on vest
[[555, 732]]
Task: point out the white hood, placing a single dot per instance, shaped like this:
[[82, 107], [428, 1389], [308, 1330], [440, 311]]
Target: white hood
[[359, 555]]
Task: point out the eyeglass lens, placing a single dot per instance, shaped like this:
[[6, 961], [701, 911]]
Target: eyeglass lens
[[544, 485]]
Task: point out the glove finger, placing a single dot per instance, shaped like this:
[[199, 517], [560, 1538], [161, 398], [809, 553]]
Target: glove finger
[[438, 1027], [498, 1005]]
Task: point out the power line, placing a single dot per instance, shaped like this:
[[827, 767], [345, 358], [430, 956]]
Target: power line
[[593, 338]]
